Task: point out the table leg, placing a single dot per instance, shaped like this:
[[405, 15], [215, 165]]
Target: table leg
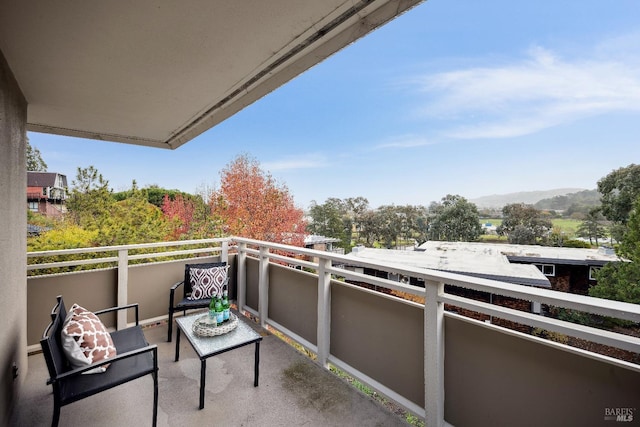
[[257, 364], [203, 374], [177, 344]]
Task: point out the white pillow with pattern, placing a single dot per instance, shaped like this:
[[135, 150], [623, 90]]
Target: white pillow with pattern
[[85, 340], [207, 282]]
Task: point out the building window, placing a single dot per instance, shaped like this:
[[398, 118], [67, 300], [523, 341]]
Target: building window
[[33, 206], [593, 270], [547, 269]]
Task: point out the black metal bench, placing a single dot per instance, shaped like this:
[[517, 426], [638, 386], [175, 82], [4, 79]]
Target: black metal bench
[[135, 358]]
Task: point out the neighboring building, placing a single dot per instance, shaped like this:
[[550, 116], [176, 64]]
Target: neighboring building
[[562, 269], [321, 243], [46, 193], [568, 269], [483, 261]]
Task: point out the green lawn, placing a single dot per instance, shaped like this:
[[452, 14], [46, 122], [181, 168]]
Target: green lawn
[[568, 226]]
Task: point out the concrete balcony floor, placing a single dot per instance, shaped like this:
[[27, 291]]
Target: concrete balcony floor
[[293, 391]]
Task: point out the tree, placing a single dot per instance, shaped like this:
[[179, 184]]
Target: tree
[[135, 220], [357, 207], [618, 281], [415, 223], [619, 190], [330, 219], [522, 235], [339, 219], [454, 219], [92, 207], [90, 202], [621, 280], [556, 237], [523, 224], [155, 194], [189, 217], [592, 227], [180, 212], [252, 204], [34, 159], [370, 227], [64, 236], [389, 223]]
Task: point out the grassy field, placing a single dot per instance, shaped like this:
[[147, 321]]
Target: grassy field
[[568, 226]]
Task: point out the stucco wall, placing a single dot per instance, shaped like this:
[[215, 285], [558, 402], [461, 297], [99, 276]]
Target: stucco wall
[[13, 239]]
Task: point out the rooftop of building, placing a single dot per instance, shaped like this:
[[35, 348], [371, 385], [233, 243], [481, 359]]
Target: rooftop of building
[[487, 260], [44, 179]]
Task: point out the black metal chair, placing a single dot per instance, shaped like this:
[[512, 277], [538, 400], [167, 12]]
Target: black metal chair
[[135, 358], [185, 303]]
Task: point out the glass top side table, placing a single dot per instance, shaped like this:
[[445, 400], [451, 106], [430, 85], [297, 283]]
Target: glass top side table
[[207, 347]]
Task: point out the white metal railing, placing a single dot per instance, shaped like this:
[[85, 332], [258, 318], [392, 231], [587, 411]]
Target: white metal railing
[[434, 294], [434, 313], [123, 259], [126, 248]]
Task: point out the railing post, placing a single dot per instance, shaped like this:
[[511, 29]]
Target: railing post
[[263, 286], [324, 311], [434, 354], [224, 254], [241, 278], [123, 286]]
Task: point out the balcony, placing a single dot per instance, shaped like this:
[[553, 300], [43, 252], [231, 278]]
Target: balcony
[[56, 196], [284, 396], [436, 364]]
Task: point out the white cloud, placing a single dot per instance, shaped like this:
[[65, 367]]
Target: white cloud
[[542, 91], [405, 141], [307, 161]]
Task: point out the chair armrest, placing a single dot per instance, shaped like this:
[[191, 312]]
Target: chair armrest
[[78, 371], [172, 293], [123, 307], [177, 285]]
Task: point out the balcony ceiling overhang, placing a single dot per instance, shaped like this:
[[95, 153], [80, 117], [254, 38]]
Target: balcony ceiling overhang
[[159, 73]]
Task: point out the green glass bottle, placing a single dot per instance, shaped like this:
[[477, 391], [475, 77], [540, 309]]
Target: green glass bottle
[[212, 309], [218, 310], [225, 305]]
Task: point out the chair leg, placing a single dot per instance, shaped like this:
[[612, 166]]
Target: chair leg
[[170, 324], [155, 398], [56, 413]]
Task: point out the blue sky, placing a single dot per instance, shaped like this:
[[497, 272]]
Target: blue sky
[[454, 97]]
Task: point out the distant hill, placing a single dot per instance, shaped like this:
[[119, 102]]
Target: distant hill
[[585, 198], [529, 197]]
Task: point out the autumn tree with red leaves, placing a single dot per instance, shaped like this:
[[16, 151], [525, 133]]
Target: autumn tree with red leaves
[[190, 217], [252, 204], [180, 211]]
